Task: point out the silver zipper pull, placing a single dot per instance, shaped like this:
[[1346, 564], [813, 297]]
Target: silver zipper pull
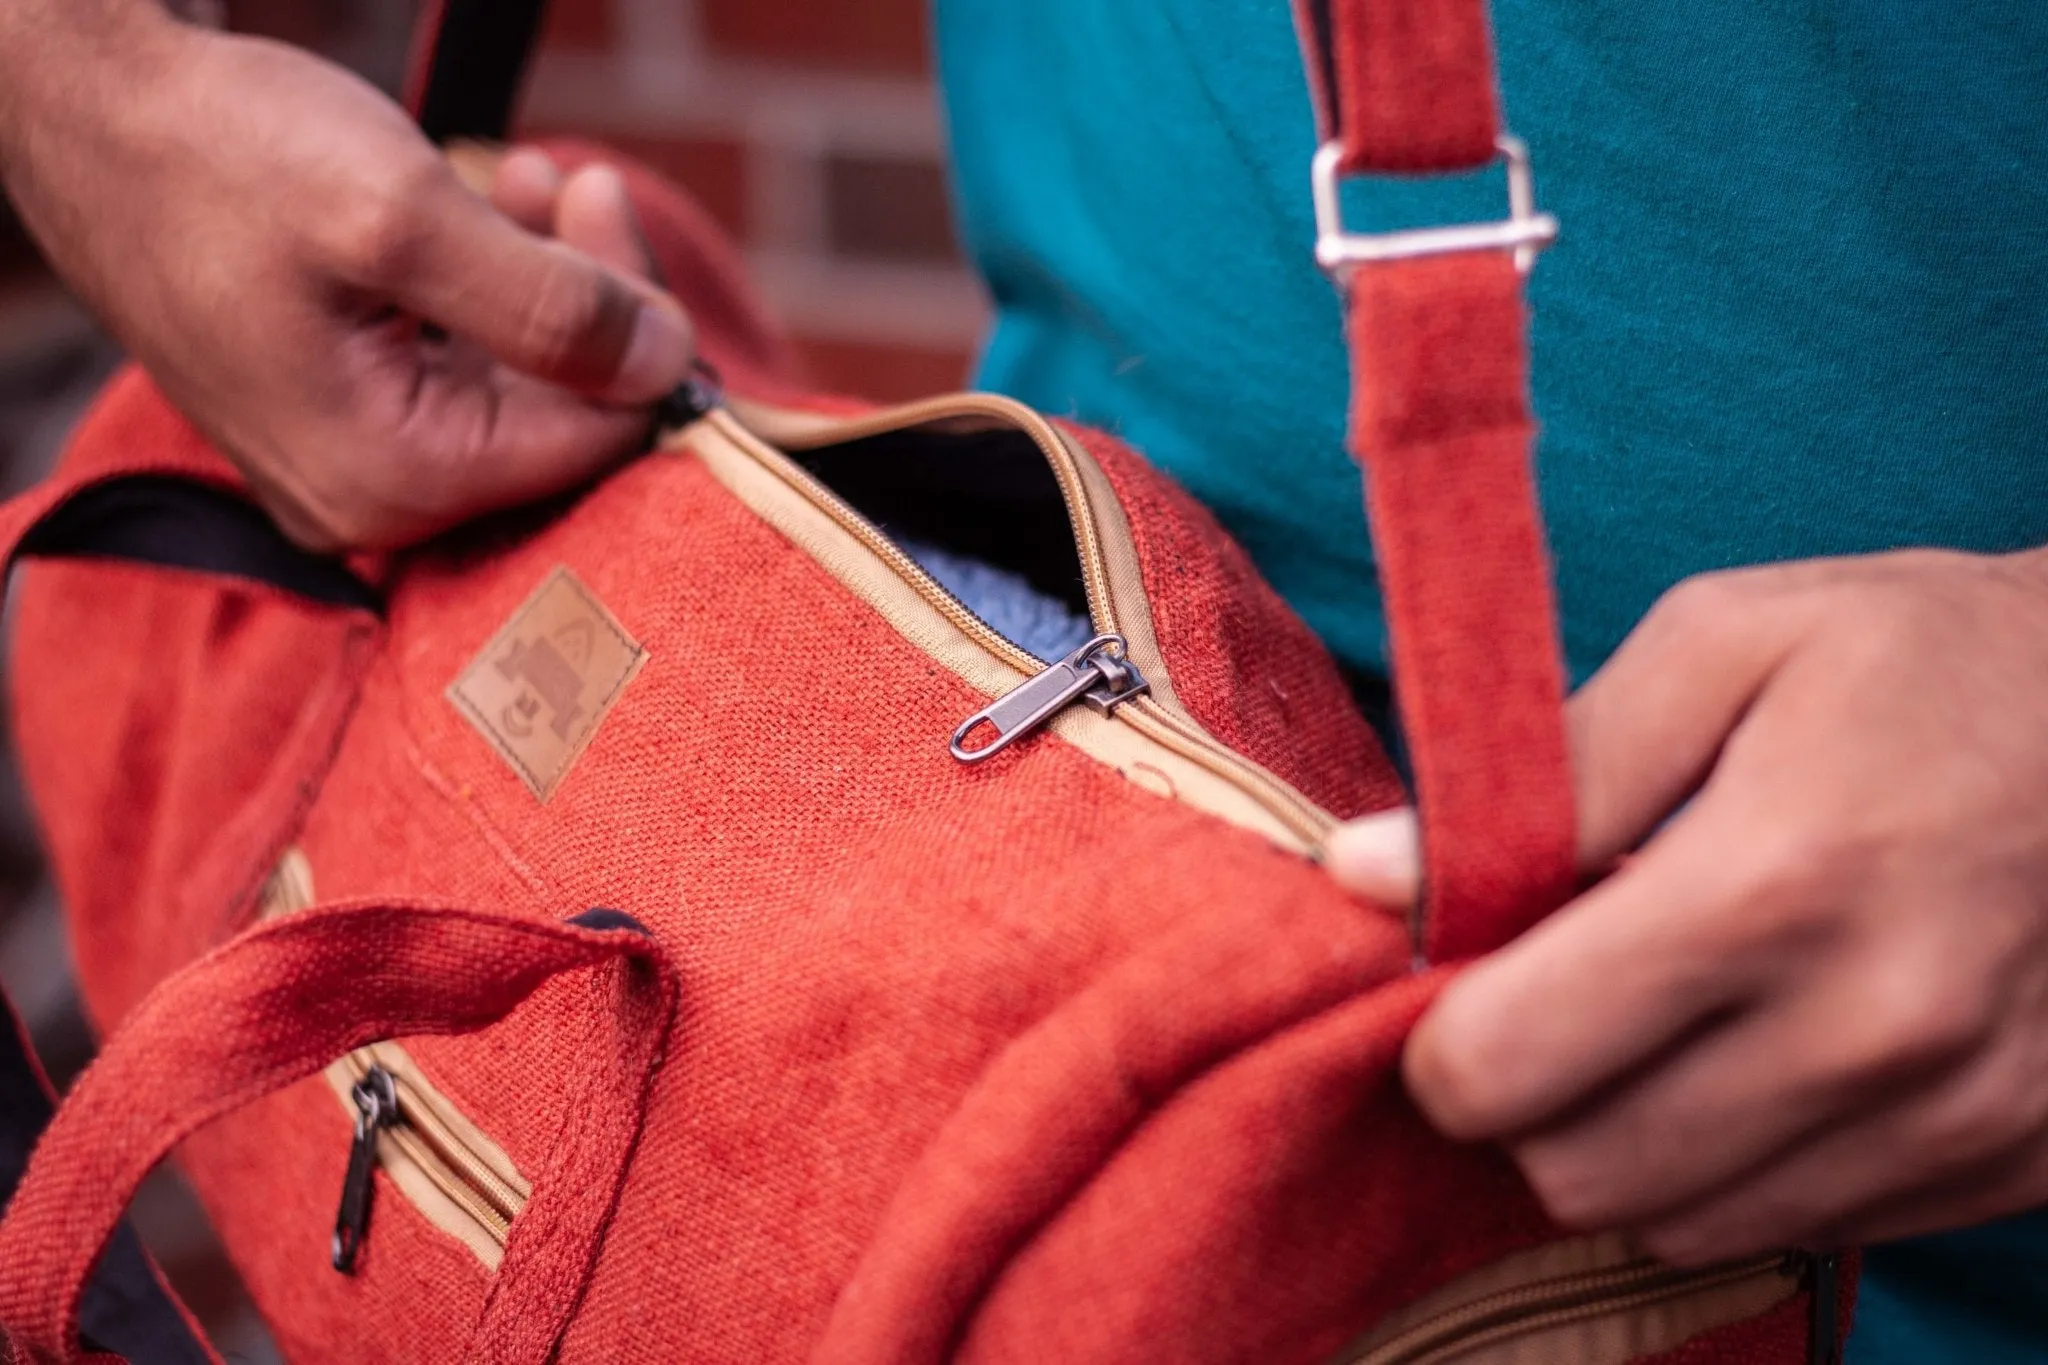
[[376, 1101], [1099, 673]]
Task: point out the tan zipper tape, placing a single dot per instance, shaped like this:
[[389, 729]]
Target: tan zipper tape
[[927, 617], [1182, 760], [1582, 1301], [461, 1181]]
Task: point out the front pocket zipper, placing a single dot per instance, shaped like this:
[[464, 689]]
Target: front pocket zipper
[[1501, 1324], [399, 1127]]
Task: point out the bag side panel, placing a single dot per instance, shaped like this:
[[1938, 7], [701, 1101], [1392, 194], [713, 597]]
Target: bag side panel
[[165, 735]]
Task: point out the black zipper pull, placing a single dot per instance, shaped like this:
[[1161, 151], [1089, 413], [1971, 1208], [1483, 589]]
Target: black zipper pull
[[376, 1101], [698, 394], [1823, 1323]]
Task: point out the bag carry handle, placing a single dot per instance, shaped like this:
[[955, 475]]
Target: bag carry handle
[[282, 1001], [1440, 424]]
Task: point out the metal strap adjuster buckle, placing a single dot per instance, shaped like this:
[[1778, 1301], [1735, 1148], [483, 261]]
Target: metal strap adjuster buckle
[[1525, 231]]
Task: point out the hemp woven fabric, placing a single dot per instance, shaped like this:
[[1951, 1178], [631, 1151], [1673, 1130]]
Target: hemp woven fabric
[[1006, 1062]]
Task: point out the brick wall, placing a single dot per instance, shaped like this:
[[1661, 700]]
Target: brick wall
[[810, 130]]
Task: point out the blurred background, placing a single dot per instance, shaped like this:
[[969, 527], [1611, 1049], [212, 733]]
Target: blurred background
[[808, 129]]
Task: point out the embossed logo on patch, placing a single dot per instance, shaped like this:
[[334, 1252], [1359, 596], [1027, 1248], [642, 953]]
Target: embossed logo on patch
[[543, 684]]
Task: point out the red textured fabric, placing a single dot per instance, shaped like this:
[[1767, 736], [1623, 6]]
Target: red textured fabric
[[1440, 422], [419, 60], [1406, 85], [1222, 625]]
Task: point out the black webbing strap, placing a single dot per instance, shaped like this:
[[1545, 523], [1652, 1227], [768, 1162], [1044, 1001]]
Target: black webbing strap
[[157, 519], [470, 61]]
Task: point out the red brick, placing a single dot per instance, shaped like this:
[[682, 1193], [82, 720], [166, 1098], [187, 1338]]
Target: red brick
[[581, 26], [889, 209], [848, 35], [712, 169], [886, 373]]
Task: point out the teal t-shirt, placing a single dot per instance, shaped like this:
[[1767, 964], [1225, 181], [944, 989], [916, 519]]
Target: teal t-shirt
[[1800, 307]]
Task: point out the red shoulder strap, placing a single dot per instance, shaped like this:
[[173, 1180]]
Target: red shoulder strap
[[1440, 423]]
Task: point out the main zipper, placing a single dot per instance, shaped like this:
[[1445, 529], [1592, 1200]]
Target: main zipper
[[388, 1110], [1100, 673]]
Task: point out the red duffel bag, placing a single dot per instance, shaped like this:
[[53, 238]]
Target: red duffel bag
[[673, 925]]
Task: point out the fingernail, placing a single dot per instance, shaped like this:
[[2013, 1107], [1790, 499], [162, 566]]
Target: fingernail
[[657, 356], [1376, 856]]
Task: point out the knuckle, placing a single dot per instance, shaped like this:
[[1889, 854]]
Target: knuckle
[[1793, 884], [376, 236], [1915, 1019], [566, 313], [1570, 1190], [1706, 602]]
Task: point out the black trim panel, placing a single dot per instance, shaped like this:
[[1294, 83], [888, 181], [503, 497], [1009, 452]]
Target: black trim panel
[[476, 68], [158, 519]]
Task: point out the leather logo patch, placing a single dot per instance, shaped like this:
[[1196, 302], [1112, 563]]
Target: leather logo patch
[[544, 683]]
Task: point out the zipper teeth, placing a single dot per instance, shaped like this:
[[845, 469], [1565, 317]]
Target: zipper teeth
[[1554, 1303], [446, 1161], [471, 1199], [1158, 722], [1094, 572]]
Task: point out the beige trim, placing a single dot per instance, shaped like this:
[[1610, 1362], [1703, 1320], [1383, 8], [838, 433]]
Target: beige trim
[[766, 483], [1124, 578], [289, 888], [406, 1158], [1583, 1301]]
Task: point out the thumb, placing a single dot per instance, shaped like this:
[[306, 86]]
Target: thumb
[[541, 307], [1643, 732]]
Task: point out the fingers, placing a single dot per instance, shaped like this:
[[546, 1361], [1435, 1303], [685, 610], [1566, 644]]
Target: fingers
[[1740, 1094], [1647, 727], [1378, 857], [1607, 984], [1643, 732], [589, 209], [524, 187], [1944, 1153], [595, 215], [543, 307]]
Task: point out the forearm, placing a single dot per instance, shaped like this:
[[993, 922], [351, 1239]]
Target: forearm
[[72, 70]]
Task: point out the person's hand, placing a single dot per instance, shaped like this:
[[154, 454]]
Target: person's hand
[[380, 349], [1813, 1010]]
